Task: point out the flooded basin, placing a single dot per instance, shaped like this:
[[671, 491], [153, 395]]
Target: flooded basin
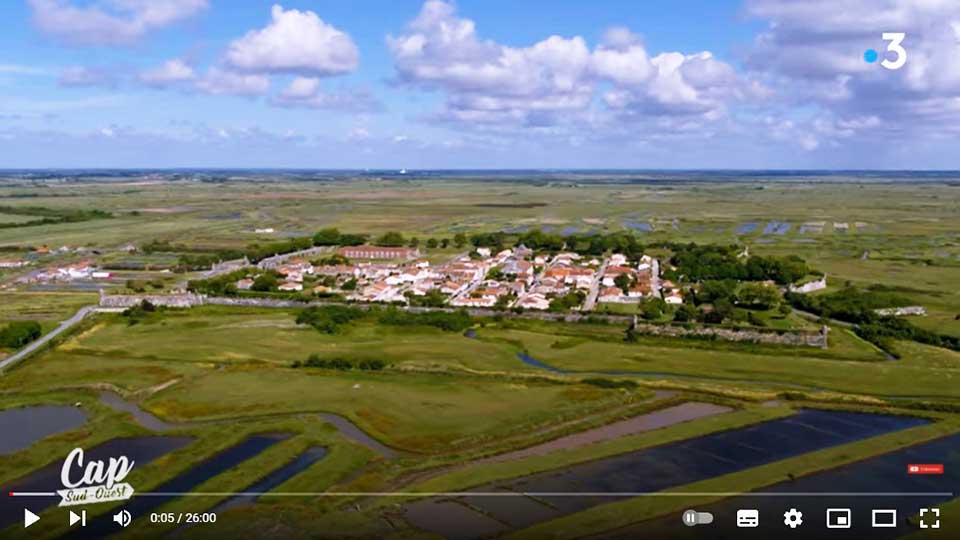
[[141, 450], [251, 493], [141, 506], [662, 467], [882, 474], [23, 427], [747, 228]]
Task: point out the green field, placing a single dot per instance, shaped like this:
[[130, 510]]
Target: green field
[[16, 218], [443, 399], [909, 233]]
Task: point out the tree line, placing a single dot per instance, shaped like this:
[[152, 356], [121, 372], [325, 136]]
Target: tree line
[[857, 306], [19, 333]]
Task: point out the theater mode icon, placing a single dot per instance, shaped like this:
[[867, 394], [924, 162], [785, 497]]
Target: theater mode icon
[[885, 518]]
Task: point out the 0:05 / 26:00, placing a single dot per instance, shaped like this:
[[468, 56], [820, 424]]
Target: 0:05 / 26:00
[[183, 517]]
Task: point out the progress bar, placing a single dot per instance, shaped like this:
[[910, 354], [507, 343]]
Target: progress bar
[[618, 494]]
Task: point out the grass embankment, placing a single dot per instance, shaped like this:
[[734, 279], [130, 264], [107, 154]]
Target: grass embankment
[[931, 371], [417, 412], [473, 475]]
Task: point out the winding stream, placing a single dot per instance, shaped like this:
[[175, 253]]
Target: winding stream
[[347, 428], [533, 362]]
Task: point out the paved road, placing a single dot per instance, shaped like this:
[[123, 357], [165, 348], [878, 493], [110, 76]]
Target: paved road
[[63, 327], [655, 278], [591, 301]]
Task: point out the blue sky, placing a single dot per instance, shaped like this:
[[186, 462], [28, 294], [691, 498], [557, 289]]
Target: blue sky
[[475, 84]]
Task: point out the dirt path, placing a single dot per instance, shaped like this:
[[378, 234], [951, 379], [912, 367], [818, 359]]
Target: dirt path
[[684, 412]]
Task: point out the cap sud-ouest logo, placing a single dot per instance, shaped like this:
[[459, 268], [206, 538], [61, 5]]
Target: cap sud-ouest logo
[[94, 481]]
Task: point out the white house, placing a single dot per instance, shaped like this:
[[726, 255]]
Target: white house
[[289, 286], [534, 301]]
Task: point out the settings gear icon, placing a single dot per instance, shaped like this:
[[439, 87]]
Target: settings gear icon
[[793, 518]]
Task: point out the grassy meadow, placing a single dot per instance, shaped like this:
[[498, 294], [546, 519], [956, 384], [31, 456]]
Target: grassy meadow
[[444, 399]]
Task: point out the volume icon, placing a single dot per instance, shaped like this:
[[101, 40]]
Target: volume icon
[[122, 518]]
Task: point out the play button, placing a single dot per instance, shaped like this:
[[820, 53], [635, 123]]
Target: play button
[[29, 518]]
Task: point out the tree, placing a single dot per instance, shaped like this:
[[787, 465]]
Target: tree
[[414, 242], [653, 309], [686, 313], [714, 290], [327, 237], [265, 283], [624, 281], [567, 302], [137, 285], [432, 298], [352, 239], [758, 296], [432, 243], [19, 333], [723, 308], [459, 240], [444, 243], [391, 239]]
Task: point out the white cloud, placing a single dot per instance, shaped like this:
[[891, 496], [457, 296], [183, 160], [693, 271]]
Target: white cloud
[[813, 53], [622, 58], [20, 69], [296, 42], [79, 76], [358, 134], [110, 22], [305, 92], [169, 73], [224, 82], [554, 81], [487, 80]]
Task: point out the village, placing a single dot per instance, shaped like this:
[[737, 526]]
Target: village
[[511, 278]]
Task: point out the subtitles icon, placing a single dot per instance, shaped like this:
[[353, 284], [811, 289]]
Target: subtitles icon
[[748, 518]]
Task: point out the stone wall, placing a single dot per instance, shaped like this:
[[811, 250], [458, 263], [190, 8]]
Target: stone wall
[[901, 311], [184, 300], [810, 287], [753, 335]]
